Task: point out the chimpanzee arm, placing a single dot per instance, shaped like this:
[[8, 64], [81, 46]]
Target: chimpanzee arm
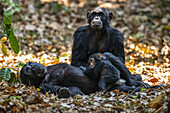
[[116, 44], [62, 92], [79, 50], [92, 73]]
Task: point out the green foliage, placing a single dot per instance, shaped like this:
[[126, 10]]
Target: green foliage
[[13, 3], [8, 17], [4, 49], [143, 89], [7, 30], [6, 75], [134, 97], [13, 42], [14, 79], [38, 89]]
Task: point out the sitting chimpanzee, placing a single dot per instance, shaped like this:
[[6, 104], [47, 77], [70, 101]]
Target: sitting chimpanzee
[[99, 37], [63, 79]]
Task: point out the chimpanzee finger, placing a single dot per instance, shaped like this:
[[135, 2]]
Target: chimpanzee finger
[[146, 85]]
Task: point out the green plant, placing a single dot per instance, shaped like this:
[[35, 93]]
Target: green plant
[[6, 75], [8, 33]]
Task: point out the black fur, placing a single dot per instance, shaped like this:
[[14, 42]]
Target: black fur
[[63, 79], [108, 74], [87, 41]]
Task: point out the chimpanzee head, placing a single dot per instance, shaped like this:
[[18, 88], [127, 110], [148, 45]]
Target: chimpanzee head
[[95, 58], [99, 18], [33, 73]]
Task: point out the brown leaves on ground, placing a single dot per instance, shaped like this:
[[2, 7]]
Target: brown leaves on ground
[[18, 97], [22, 99], [48, 34]]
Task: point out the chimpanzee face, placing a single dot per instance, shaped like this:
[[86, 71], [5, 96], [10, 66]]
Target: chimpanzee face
[[98, 18], [94, 58], [32, 69]]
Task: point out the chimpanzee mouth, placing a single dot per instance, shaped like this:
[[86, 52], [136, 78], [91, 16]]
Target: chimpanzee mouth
[[96, 24], [41, 73], [97, 27]]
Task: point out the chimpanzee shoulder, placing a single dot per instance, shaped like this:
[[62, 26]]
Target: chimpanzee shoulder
[[81, 37], [114, 30], [82, 29], [116, 37]]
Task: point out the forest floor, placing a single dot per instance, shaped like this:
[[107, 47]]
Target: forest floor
[[45, 35]]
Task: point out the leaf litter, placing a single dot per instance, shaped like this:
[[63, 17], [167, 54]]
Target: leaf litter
[[143, 55]]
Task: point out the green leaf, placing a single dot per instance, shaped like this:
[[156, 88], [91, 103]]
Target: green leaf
[[18, 97], [5, 74], [13, 42], [7, 29], [38, 89], [167, 27], [134, 97], [8, 17], [143, 89], [13, 79], [4, 49]]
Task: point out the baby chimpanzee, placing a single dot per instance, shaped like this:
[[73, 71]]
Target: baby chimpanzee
[[107, 74]]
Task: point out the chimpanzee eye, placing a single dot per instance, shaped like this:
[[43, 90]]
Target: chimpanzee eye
[[93, 15], [28, 70], [29, 63], [101, 14]]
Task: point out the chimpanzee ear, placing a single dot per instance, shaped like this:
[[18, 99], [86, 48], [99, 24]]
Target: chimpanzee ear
[[110, 15], [100, 56], [88, 13]]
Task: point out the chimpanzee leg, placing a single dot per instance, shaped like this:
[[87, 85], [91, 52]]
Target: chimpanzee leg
[[127, 89], [136, 77], [125, 73], [62, 92], [102, 84], [75, 91]]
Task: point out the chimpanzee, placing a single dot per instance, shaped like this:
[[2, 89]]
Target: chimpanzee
[[99, 37], [63, 79], [102, 69], [106, 73]]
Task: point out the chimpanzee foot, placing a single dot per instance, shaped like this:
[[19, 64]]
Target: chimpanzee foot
[[146, 85], [63, 93], [140, 83]]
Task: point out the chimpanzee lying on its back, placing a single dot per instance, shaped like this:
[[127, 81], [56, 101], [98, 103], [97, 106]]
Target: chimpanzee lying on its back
[[63, 79]]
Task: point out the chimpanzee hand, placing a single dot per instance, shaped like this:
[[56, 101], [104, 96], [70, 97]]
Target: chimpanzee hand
[[63, 92], [102, 84], [83, 68]]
